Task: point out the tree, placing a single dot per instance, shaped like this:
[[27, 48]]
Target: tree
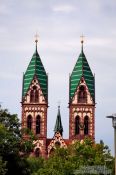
[[3, 169], [87, 153], [11, 145], [35, 164], [65, 161], [27, 138]]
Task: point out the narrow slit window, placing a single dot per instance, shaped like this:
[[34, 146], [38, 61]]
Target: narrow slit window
[[29, 122], [32, 96], [77, 122], [38, 124], [36, 96], [86, 125]]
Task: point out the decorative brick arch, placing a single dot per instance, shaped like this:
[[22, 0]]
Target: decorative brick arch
[[57, 139]]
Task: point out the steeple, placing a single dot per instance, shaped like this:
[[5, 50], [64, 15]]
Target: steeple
[[81, 99], [35, 101], [82, 69], [35, 68], [58, 126]]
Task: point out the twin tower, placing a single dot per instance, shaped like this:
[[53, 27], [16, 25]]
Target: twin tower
[[35, 105]]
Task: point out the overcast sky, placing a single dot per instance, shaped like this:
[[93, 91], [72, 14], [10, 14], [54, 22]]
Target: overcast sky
[[59, 25]]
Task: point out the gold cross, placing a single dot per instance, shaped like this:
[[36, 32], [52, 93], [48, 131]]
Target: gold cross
[[82, 38], [36, 37], [59, 102]]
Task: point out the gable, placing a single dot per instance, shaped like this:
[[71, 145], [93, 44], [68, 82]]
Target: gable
[[82, 82], [41, 98], [56, 139]]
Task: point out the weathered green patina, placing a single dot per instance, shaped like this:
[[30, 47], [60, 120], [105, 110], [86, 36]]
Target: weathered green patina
[[35, 68], [82, 69], [58, 126]]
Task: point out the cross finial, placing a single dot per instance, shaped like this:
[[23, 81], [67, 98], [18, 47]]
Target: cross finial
[[59, 104], [82, 38], [82, 41], [36, 37]]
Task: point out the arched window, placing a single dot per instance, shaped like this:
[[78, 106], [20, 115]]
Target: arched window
[[38, 124], [86, 125], [82, 95], [32, 96], [29, 122], [77, 122], [37, 152], [36, 96]]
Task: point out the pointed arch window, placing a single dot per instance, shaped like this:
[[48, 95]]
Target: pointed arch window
[[86, 125], [34, 95], [38, 124], [29, 122], [82, 95], [77, 122]]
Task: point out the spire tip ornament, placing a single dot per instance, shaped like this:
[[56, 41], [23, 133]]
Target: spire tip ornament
[[36, 37], [82, 38], [59, 102]]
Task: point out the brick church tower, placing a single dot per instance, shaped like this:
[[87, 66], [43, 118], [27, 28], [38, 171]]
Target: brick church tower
[[35, 105], [81, 100], [35, 101]]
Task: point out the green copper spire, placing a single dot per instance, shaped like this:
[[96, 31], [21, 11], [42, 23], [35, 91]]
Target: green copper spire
[[35, 68], [58, 126], [82, 69]]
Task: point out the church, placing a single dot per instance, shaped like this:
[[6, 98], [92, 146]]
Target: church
[[35, 105]]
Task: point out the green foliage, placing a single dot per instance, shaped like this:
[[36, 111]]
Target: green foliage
[[63, 161], [35, 164], [27, 138], [3, 169], [9, 133], [10, 145]]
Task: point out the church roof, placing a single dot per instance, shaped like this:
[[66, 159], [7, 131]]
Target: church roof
[[58, 126], [82, 69], [35, 68]]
